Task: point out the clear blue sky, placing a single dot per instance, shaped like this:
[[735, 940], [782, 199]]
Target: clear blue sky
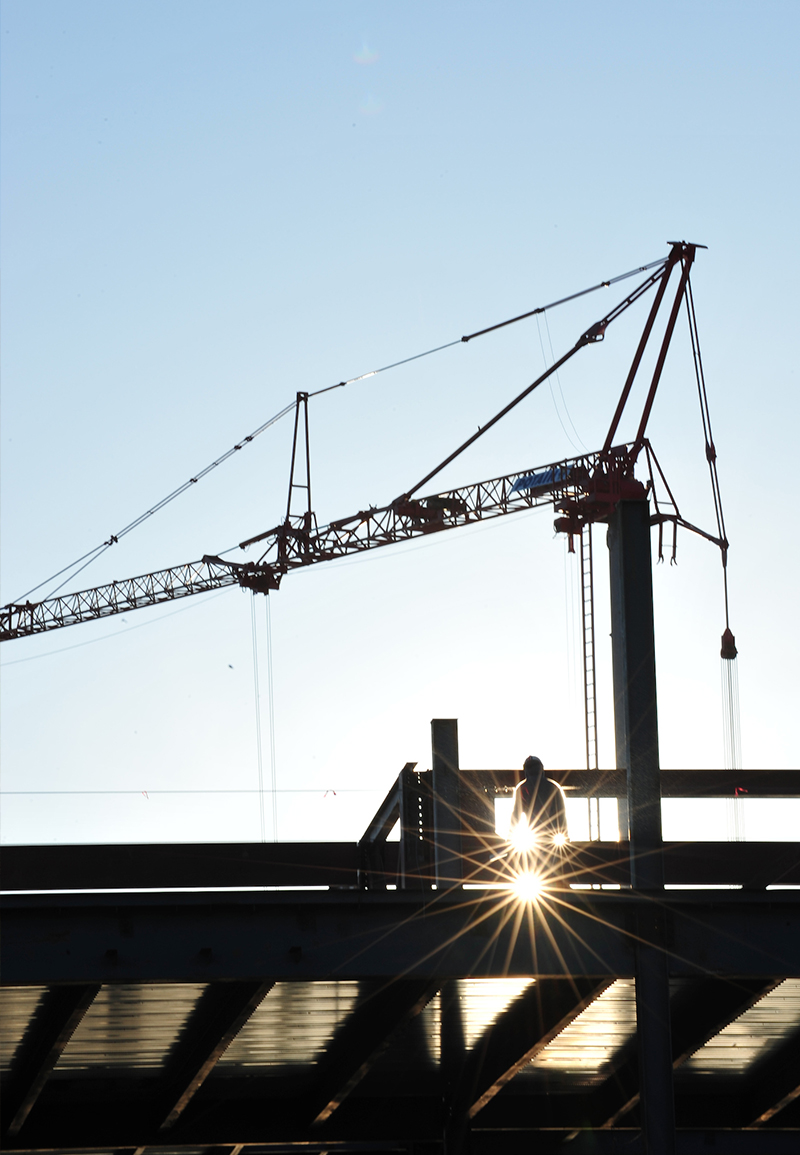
[[209, 206]]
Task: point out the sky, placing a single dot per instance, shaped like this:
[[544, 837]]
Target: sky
[[208, 207]]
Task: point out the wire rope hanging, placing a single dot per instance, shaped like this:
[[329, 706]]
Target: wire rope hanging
[[731, 725], [271, 705], [257, 703]]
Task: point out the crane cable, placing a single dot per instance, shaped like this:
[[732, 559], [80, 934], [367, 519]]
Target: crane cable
[[271, 708], [728, 652], [94, 554], [257, 702], [711, 452]]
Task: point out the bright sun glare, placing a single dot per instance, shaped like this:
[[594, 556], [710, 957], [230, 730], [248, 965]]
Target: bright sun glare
[[522, 837], [528, 886]]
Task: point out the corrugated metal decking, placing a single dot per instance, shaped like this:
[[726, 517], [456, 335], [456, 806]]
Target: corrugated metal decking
[[752, 1037], [290, 1029], [17, 1008], [132, 1027]]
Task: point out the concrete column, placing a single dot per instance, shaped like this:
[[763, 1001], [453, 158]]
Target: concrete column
[[636, 726], [446, 802]]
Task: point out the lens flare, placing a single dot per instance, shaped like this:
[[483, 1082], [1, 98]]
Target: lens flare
[[528, 886], [522, 837], [366, 55], [370, 106], [559, 839]]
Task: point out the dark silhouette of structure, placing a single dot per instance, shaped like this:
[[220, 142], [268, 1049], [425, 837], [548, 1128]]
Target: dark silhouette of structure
[[184, 1000]]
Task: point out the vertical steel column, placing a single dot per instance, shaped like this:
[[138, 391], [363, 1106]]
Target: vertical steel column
[[636, 726], [452, 1054], [415, 823], [446, 802], [635, 711]]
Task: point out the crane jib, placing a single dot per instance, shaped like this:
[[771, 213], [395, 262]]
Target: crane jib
[[292, 546], [582, 489]]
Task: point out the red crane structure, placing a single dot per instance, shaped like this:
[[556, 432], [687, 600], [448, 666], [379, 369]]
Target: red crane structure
[[594, 487], [583, 489]]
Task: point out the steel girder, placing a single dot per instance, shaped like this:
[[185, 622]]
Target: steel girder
[[90, 938]]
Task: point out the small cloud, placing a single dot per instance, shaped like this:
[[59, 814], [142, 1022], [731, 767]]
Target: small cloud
[[366, 55]]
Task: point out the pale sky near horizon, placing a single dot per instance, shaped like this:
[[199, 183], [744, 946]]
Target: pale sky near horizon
[[207, 207]]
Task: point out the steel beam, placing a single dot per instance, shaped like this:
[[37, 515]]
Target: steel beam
[[636, 723], [386, 815], [165, 866], [657, 1105], [372, 871], [55, 1022], [220, 1014], [452, 1055], [753, 865], [634, 673], [697, 1016], [531, 1022], [630, 1142], [361, 935], [383, 1124], [363, 1038], [446, 802], [416, 829], [778, 1085]]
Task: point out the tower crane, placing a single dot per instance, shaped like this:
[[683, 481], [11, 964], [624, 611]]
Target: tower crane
[[594, 487], [585, 489]]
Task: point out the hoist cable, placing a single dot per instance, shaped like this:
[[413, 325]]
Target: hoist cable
[[271, 704], [711, 452], [257, 701], [561, 391], [552, 393], [93, 554], [731, 723]]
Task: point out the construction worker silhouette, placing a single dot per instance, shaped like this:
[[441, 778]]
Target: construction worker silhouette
[[539, 817]]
